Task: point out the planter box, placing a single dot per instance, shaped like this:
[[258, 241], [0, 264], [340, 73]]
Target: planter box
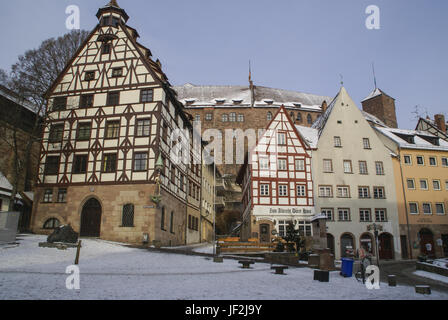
[[431, 268]]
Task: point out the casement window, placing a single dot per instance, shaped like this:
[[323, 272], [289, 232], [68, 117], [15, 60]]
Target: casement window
[[363, 167], [264, 164], [117, 72], [59, 103], [224, 117], [436, 185], [269, 116], [86, 101], [380, 215], [232, 117], [343, 191], [325, 191], [328, 212], [444, 162], [379, 193], [127, 215], [84, 131], [328, 165], [348, 166], [407, 159], [379, 167], [162, 219], [365, 215], [281, 138], [143, 127], [299, 117], [433, 161], [146, 95], [113, 98], [48, 196], [109, 163], [140, 161], [197, 117], [300, 165], [427, 209], [51, 223], [337, 142], [112, 129], [366, 143], [309, 119], [240, 118], [282, 224], [301, 190], [51, 165], [305, 228], [364, 192], [282, 164], [410, 183], [172, 222], [56, 133], [62, 195], [283, 190], [413, 207], [105, 49], [264, 189], [208, 117], [423, 184], [420, 160], [344, 214], [89, 76], [440, 208], [80, 164]]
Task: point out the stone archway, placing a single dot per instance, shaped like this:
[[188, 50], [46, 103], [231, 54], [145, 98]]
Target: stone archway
[[330, 243], [347, 243], [386, 246], [366, 240], [91, 218]]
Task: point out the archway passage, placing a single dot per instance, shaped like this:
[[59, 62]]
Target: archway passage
[[265, 235], [347, 245], [386, 247], [330, 243], [427, 242], [91, 219], [366, 242]]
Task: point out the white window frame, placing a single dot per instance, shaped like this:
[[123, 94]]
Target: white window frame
[[363, 189], [443, 207], [282, 190], [337, 141], [366, 145], [325, 167], [362, 216], [430, 208], [413, 183], [435, 159], [345, 168], [416, 206], [379, 168], [326, 210], [281, 138], [363, 167], [383, 218], [445, 159], [323, 192], [264, 163], [300, 164], [343, 191], [301, 190], [440, 186], [423, 159], [282, 164], [264, 190], [345, 214], [408, 156], [426, 182]]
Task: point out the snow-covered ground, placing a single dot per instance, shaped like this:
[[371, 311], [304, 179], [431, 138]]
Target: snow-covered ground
[[430, 275], [112, 271]]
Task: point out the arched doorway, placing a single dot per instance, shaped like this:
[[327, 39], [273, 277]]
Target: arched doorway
[[427, 242], [347, 244], [330, 243], [265, 234], [386, 246], [366, 241], [91, 219]]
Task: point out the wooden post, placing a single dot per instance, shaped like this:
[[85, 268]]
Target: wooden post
[[78, 249]]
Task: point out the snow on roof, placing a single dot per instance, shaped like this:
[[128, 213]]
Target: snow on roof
[[374, 93], [263, 96], [310, 135], [12, 96], [372, 118], [419, 143], [4, 182]]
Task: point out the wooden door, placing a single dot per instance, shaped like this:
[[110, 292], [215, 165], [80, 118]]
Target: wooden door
[[386, 249], [265, 233], [91, 219], [427, 243]]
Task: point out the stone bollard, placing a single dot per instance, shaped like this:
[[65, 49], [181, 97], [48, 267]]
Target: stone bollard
[[218, 259], [392, 280], [322, 275], [423, 289]]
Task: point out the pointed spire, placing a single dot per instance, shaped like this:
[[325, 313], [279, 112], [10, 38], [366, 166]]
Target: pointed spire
[[374, 76], [112, 6], [113, 3]]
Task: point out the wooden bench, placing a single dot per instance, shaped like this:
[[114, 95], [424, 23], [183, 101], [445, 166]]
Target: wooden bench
[[279, 269], [423, 289], [246, 263]]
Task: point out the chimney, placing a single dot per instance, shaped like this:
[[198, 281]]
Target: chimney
[[324, 106], [439, 119]]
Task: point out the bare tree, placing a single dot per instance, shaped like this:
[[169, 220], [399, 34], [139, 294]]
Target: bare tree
[[30, 78]]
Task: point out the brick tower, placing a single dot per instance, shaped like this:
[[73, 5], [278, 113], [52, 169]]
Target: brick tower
[[381, 106]]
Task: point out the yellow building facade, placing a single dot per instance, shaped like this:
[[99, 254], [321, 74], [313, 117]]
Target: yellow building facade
[[421, 180]]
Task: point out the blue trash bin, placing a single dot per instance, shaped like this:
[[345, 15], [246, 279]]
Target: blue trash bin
[[347, 267]]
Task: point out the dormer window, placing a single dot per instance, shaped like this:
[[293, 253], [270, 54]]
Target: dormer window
[[89, 76], [269, 101], [190, 101], [220, 101], [296, 104], [237, 101]]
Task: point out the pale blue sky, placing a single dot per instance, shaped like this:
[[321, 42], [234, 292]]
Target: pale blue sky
[[298, 45]]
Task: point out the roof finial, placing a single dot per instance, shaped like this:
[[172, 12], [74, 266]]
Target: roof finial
[[250, 73], [374, 76], [342, 80], [113, 3]]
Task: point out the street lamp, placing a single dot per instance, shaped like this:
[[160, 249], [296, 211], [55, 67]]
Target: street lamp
[[376, 228]]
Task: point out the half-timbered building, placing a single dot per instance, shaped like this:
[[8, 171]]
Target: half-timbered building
[[276, 182], [108, 144]]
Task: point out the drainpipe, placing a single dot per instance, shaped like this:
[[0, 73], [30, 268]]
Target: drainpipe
[[405, 203]]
